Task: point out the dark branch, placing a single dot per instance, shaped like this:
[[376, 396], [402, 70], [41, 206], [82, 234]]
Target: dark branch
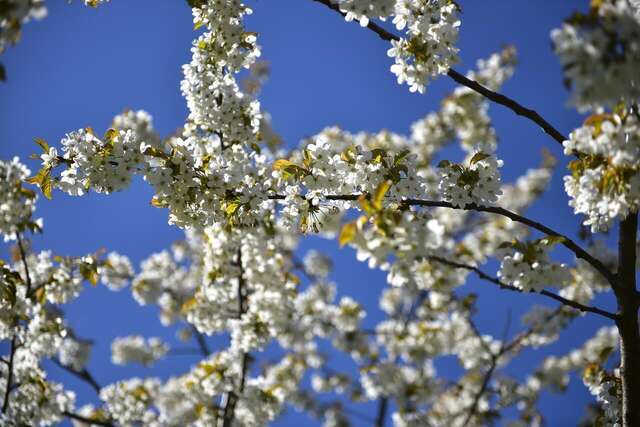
[[23, 257], [564, 301], [232, 398], [202, 342], [496, 97], [383, 404], [12, 353], [473, 409], [84, 375], [566, 241]]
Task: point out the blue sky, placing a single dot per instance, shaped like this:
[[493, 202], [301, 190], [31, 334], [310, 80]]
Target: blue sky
[[80, 67]]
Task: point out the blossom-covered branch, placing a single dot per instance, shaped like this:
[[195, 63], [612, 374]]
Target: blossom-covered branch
[[496, 97], [502, 285]]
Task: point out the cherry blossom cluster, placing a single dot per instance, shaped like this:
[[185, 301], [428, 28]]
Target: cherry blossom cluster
[[135, 349], [604, 183], [600, 54], [477, 183], [589, 360], [363, 9], [240, 199], [530, 268], [429, 47], [18, 202], [464, 113], [105, 164]]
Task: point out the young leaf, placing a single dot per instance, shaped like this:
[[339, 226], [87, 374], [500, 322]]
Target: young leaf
[[89, 272], [552, 240], [378, 196], [347, 234], [282, 164], [479, 156], [43, 180], [43, 144]]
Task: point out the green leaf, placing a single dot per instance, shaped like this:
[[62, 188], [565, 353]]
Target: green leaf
[[505, 245], [9, 293], [366, 206], [349, 155], [41, 295], [43, 144], [552, 240], [347, 233], [379, 194], [307, 160], [281, 164], [89, 272], [232, 207], [158, 203], [290, 169], [27, 193], [110, 135], [378, 155], [400, 156], [43, 180], [479, 156], [444, 164], [154, 152]]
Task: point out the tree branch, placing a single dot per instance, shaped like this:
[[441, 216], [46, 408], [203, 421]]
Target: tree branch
[[566, 241], [202, 342], [504, 349], [564, 301], [232, 398], [628, 304], [483, 388], [383, 405], [23, 257], [84, 375], [496, 97], [12, 351]]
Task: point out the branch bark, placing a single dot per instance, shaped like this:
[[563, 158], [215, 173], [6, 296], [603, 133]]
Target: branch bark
[[628, 304], [232, 397], [566, 241], [12, 351], [84, 375]]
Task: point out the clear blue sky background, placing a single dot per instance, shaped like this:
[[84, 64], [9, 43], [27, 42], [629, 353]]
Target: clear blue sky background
[[80, 67]]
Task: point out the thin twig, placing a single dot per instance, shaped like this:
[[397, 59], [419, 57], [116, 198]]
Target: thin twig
[[495, 357], [5, 403], [565, 241], [383, 404], [564, 301], [202, 342], [496, 97], [12, 351], [23, 257], [84, 375], [231, 397], [483, 388]]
